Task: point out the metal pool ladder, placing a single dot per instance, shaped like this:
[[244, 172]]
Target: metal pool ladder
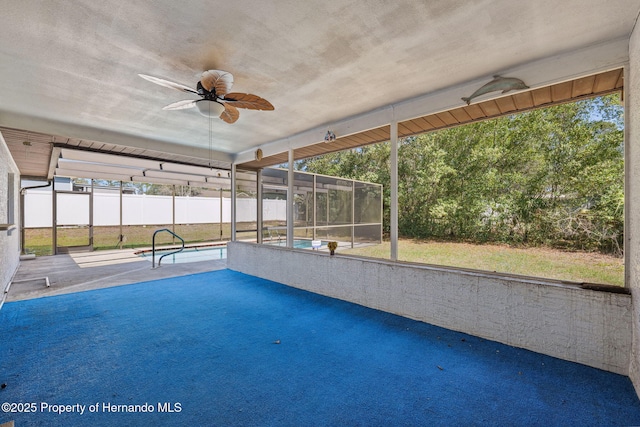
[[153, 247]]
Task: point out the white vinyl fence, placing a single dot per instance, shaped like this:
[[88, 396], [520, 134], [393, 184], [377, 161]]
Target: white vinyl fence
[[143, 210]]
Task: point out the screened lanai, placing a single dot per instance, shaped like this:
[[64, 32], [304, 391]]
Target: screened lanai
[[366, 72], [86, 210]]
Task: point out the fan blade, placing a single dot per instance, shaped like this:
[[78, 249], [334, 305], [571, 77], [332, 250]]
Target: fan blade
[[180, 105], [218, 81], [248, 100], [169, 84], [230, 113]]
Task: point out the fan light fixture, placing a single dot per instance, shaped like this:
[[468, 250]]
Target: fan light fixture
[[216, 99], [208, 108]]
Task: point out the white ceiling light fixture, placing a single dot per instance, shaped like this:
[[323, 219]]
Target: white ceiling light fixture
[[210, 109]]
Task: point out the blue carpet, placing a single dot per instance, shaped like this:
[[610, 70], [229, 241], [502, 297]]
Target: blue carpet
[[227, 349]]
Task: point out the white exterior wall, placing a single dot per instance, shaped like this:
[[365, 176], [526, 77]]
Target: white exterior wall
[[632, 227], [9, 239], [584, 326]]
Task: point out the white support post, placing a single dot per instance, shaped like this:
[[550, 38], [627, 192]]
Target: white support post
[[91, 216], [290, 199], [315, 207], [233, 202], [173, 213], [221, 203], [54, 218], [120, 244], [259, 206], [394, 190], [353, 213], [627, 180]]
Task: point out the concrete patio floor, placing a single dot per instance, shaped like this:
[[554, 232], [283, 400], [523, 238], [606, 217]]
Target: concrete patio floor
[[93, 270]]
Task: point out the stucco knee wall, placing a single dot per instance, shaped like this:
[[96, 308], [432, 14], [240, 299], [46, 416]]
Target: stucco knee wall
[[584, 326]]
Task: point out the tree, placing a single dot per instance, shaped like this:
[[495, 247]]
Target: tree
[[550, 176]]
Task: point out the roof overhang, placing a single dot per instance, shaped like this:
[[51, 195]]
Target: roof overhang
[[589, 72], [70, 74], [37, 154]]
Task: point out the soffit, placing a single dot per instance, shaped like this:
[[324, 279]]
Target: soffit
[[569, 91], [36, 153], [33, 151]]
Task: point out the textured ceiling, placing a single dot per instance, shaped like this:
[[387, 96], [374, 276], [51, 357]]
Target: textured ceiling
[[70, 69]]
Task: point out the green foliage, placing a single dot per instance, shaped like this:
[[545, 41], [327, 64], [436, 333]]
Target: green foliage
[[550, 177]]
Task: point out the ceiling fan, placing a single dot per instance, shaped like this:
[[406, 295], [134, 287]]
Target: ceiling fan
[[217, 101]]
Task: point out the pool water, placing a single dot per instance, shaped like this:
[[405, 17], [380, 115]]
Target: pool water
[[190, 255], [298, 244], [211, 253]]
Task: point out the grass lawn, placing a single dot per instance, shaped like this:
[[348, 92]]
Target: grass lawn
[[39, 240], [538, 262]]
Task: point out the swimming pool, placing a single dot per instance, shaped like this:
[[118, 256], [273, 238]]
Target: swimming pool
[[210, 253], [194, 254], [298, 243]]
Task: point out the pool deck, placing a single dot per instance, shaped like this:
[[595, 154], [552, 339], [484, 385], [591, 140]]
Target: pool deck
[[84, 271]]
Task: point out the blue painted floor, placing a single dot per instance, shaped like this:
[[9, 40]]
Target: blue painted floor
[[227, 349]]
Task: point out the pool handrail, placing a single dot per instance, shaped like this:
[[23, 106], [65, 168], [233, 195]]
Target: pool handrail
[[153, 247]]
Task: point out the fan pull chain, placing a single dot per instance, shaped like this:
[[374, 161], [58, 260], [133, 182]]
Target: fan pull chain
[[210, 134]]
